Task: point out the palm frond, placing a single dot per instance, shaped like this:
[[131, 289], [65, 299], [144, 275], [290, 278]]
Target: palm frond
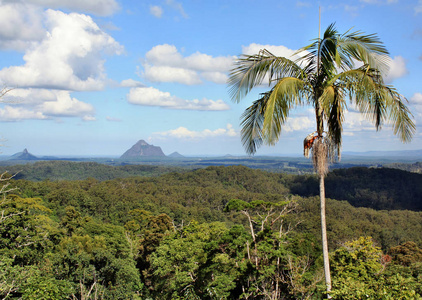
[[367, 49], [250, 71], [378, 102], [287, 94], [252, 121], [399, 116], [334, 105]]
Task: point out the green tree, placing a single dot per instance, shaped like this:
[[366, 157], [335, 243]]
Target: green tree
[[406, 254], [326, 72], [360, 271], [189, 264]]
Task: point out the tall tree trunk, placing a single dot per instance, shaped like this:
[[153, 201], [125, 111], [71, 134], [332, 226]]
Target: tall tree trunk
[[324, 235]]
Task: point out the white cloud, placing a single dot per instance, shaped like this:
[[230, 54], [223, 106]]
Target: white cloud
[[12, 114], [131, 83], [355, 121], [97, 7], [150, 96], [276, 50], [88, 118], [184, 133], [298, 123], [416, 99], [156, 11], [397, 69], [217, 77], [69, 57], [65, 106], [171, 74], [44, 104], [29, 97], [164, 63], [20, 26], [416, 105]]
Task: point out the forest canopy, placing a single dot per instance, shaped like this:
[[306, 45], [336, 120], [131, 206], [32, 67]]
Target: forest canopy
[[213, 233]]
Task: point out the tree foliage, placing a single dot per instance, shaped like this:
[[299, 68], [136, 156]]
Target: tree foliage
[[214, 233]]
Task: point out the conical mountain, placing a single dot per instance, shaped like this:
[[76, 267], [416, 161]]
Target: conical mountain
[[175, 155], [24, 155], [142, 149]]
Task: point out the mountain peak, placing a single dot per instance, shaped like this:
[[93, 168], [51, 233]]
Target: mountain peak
[[24, 155], [176, 154], [142, 143], [141, 149]]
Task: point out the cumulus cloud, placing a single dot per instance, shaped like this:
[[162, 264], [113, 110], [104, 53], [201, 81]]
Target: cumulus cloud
[[156, 11], [69, 57], [150, 96], [66, 106], [131, 83], [298, 123], [171, 74], [164, 63], [276, 50], [416, 105], [29, 97], [416, 99], [97, 7], [21, 26], [43, 104], [397, 69], [12, 114], [184, 133]]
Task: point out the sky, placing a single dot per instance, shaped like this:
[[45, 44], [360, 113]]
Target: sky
[[91, 78]]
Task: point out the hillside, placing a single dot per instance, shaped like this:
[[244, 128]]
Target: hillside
[[66, 170], [202, 194], [163, 234], [377, 188]]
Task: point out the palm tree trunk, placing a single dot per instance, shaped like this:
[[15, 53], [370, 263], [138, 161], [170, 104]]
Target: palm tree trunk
[[324, 235]]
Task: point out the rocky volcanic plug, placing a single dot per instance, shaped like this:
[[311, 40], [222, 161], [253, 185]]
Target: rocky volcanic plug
[[141, 149], [24, 155]]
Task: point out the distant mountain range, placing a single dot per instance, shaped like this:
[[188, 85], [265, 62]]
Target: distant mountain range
[[385, 153], [144, 150]]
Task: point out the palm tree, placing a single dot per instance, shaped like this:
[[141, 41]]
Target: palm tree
[[327, 72]]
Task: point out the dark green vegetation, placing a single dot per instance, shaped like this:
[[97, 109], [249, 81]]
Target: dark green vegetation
[[66, 170], [104, 169], [214, 233]]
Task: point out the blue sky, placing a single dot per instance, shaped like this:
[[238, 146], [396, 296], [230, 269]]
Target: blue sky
[[94, 77]]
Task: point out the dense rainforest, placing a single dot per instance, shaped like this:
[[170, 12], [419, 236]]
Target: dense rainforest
[[154, 232]]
